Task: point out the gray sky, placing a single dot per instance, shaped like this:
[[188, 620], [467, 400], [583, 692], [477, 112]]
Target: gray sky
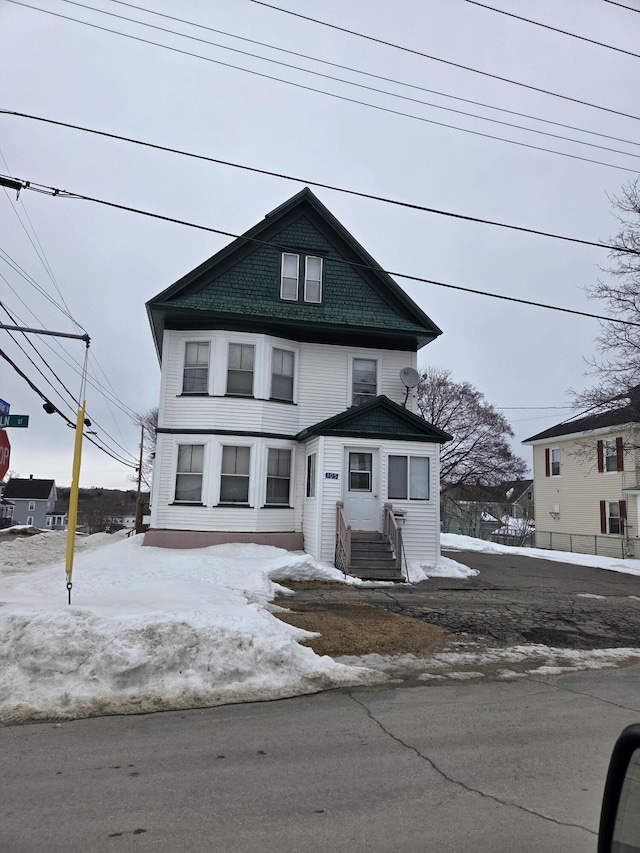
[[108, 263]]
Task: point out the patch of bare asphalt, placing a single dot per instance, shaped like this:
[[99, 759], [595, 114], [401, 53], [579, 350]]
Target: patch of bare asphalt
[[512, 602]]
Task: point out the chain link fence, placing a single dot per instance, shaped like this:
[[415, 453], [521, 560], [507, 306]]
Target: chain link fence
[[583, 543]]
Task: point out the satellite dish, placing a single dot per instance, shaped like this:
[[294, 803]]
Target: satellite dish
[[409, 377]]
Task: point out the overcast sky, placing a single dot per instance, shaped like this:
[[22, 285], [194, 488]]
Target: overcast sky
[[107, 263]]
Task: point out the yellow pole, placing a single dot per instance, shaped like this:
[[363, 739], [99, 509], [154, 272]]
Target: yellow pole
[[73, 496]]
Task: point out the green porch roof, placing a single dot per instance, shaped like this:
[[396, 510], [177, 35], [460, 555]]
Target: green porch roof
[[239, 287], [379, 418]]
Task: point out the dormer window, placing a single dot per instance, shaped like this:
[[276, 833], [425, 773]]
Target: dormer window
[[301, 278]]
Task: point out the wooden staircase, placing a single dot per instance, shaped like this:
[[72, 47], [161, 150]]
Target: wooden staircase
[[372, 557]]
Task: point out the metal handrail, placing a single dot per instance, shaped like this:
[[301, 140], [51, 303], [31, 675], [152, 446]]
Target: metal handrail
[[393, 534], [343, 539]]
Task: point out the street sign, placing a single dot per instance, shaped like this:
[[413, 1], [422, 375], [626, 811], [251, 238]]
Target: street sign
[[14, 421], [5, 453], [5, 407]]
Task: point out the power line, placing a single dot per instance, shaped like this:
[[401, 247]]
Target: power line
[[553, 29], [622, 6], [320, 184], [334, 95], [361, 71], [351, 82], [439, 59], [77, 196]]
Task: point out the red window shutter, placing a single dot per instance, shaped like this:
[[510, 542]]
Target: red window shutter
[[623, 516], [619, 454], [603, 517], [547, 462], [601, 457]]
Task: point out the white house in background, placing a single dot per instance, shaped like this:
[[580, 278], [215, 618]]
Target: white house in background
[[586, 475], [283, 416]]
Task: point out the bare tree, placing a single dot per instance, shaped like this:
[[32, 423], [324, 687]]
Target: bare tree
[[480, 453], [617, 370], [148, 421]]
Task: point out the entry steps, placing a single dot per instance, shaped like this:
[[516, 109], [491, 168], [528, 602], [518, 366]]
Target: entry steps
[[372, 557]]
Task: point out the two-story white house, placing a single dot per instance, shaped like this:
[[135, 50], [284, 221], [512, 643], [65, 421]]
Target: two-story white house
[[283, 415]]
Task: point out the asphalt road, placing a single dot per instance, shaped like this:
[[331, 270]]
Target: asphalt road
[[487, 767], [516, 600]]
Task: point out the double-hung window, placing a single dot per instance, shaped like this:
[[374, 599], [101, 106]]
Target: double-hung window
[[32, 506], [240, 369], [552, 462], [282, 368], [234, 476], [408, 478], [189, 473], [278, 476], [364, 380], [295, 266], [195, 377], [610, 455], [613, 517]]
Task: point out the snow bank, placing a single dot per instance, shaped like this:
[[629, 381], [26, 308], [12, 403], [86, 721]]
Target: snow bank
[[151, 629]]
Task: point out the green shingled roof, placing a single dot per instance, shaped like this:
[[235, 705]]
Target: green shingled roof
[[241, 285]]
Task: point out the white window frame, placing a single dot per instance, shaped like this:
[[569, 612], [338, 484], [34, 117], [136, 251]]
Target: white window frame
[[30, 521], [308, 281], [311, 483], [280, 449], [249, 476], [241, 370], [409, 457], [289, 278], [352, 363], [293, 354], [49, 521], [32, 506], [201, 474], [553, 450], [196, 366], [610, 456], [615, 516]]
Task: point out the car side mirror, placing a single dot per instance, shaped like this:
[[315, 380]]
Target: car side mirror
[[620, 816]]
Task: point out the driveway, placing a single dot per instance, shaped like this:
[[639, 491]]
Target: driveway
[[515, 600]]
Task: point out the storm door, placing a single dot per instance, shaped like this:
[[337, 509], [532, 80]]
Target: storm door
[[361, 477]]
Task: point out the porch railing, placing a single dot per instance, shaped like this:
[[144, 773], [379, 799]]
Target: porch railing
[[343, 539], [393, 533]]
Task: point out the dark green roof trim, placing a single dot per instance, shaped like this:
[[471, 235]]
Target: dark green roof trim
[[379, 418], [243, 278], [243, 433]]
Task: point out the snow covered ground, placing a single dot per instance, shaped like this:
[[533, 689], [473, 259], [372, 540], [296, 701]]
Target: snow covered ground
[[455, 542], [153, 629]]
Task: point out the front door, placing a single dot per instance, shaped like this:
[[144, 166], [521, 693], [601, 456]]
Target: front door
[[361, 489]]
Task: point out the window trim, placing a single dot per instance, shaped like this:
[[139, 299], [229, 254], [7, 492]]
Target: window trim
[[185, 368], [221, 501], [290, 478], [254, 346], [302, 278], [307, 280], [294, 382], [352, 360], [177, 501], [409, 457], [32, 506], [289, 278], [549, 463], [30, 520]]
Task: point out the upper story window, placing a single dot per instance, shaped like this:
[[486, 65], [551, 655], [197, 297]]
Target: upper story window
[[552, 462], [295, 266], [32, 506], [282, 368], [610, 455], [364, 385], [195, 377], [240, 369]]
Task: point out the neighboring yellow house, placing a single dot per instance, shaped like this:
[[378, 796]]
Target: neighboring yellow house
[[586, 476]]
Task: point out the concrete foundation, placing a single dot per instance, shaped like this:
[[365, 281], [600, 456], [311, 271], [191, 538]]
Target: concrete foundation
[[203, 538]]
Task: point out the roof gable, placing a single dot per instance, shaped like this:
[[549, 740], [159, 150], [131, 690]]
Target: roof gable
[[239, 287], [379, 418]]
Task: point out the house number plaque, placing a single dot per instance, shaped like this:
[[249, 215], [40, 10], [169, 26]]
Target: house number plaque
[[330, 475]]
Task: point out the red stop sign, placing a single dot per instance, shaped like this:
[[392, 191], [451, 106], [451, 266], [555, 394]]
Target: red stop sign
[[5, 453]]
